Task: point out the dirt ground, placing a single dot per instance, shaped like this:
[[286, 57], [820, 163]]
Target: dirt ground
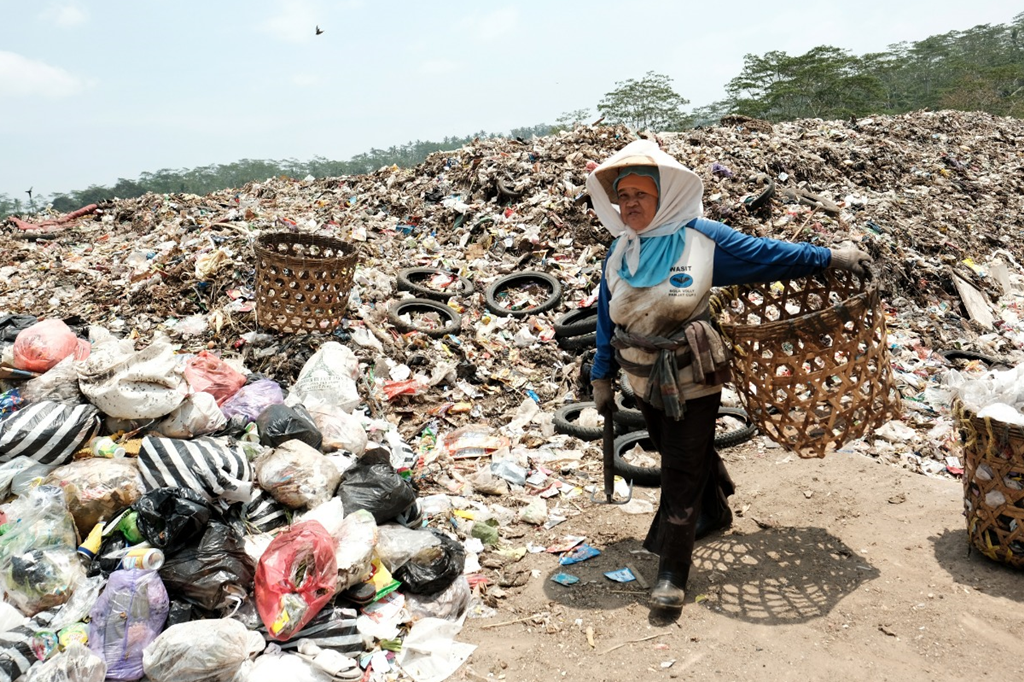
[[842, 568]]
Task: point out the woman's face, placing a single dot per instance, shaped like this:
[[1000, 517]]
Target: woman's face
[[637, 207]]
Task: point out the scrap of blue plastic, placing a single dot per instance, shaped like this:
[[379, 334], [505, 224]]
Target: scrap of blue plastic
[[565, 579], [623, 575], [581, 553]]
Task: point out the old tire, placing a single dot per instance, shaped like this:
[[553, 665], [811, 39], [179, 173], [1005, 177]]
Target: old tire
[[411, 279], [651, 476], [423, 305], [577, 342], [542, 279], [565, 422], [577, 322], [642, 476], [626, 413]]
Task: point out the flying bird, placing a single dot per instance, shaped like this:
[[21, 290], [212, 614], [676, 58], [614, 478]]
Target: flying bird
[[319, 30]]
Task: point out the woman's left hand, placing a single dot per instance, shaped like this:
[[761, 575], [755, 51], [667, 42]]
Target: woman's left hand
[[854, 260]]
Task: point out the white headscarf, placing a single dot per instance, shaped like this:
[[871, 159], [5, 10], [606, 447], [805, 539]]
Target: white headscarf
[[679, 200]]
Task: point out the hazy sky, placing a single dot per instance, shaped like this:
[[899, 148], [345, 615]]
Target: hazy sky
[[91, 91]]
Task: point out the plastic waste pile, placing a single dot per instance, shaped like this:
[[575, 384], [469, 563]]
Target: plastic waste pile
[[175, 517]]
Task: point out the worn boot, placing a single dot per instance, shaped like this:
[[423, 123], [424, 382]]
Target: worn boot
[[669, 591]]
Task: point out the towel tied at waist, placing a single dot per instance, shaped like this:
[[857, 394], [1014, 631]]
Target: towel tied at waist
[[697, 344]]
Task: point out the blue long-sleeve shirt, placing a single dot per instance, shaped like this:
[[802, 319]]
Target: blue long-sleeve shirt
[[715, 256]]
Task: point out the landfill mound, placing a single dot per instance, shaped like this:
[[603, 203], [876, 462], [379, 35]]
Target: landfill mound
[[305, 488], [933, 196]]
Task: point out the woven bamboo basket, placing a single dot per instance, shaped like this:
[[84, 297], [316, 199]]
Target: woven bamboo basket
[[993, 486], [302, 281], [811, 359]]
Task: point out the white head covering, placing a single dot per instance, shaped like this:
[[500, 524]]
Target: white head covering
[[679, 200]]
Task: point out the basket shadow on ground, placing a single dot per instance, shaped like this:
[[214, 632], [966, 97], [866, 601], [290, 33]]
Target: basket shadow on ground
[[776, 576], [969, 567]]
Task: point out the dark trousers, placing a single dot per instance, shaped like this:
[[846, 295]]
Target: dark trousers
[[694, 480]]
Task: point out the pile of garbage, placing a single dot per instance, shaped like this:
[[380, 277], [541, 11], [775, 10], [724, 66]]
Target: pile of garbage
[[343, 496]]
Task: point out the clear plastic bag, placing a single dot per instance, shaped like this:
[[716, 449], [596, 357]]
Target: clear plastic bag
[[296, 577], [126, 618], [357, 539], [397, 545], [328, 378], [198, 415], [59, 384], [77, 663], [207, 373], [340, 430], [81, 603], [211, 650], [448, 604], [39, 566], [97, 488], [296, 475]]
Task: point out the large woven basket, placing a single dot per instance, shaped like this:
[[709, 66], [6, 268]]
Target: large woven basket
[[811, 360], [993, 486], [302, 281]]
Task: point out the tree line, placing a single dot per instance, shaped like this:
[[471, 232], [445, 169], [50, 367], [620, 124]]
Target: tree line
[[979, 69]]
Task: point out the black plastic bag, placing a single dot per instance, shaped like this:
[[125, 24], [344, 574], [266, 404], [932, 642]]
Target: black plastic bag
[[108, 558], [212, 572], [279, 423], [374, 485], [434, 570], [180, 611], [170, 517]]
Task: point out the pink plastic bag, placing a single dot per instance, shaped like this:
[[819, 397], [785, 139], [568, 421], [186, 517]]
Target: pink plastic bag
[[44, 344], [207, 373], [295, 578]]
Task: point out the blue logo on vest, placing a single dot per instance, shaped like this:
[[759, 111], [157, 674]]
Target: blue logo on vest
[[681, 281]]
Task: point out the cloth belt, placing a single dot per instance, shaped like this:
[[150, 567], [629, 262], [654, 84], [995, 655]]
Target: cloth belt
[[696, 343]]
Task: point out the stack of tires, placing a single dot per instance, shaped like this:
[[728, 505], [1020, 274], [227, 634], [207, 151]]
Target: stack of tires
[[577, 329], [733, 427], [429, 299]]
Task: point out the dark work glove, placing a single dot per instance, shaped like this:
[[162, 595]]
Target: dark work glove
[[852, 259], [603, 395]]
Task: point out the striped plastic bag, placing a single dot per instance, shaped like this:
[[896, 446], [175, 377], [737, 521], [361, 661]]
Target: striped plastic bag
[[207, 466], [47, 432]]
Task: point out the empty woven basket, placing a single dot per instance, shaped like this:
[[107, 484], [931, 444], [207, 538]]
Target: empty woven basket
[[811, 358], [302, 281], [993, 486]]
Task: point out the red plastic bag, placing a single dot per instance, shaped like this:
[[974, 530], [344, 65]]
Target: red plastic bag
[[44, 344], [207, 373], [295, 578]]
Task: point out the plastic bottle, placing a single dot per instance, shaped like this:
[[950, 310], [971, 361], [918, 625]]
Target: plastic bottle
[[92, 543], [104, 446], [143, 557]]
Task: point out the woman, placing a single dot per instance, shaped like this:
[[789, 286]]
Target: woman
[[653, 322]]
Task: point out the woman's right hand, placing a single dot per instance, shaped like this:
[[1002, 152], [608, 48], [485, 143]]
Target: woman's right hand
[[604, 397]]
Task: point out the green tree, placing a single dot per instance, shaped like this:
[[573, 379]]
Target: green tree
[[646, 104], [826, 82], [570, 119]]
